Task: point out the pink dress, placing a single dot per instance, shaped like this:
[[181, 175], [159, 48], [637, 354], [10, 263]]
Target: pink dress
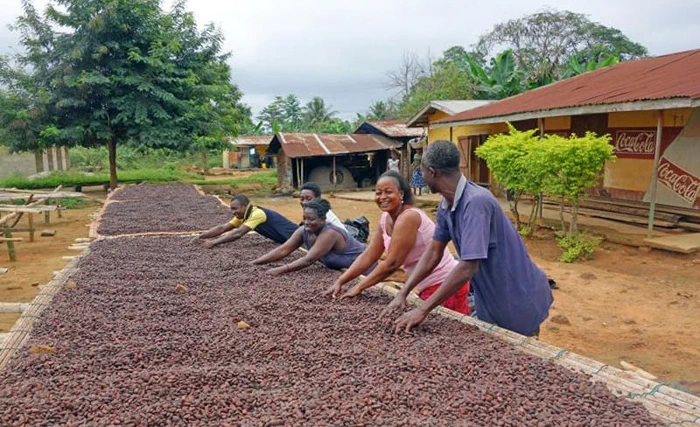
[[424, 239]]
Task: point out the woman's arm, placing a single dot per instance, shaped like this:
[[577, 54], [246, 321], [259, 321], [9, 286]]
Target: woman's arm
[[324, 243], [371, 254], [403, 239], [283, 250]]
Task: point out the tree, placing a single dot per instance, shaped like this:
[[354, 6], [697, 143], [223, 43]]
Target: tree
[[404, 78], [510, 157], [447, 81], [500, 80], [125, 72], [576, 66], [272, 114], [215, 111], [316, 111], [292, 113], [543, 42], [380, 110], [574, 165], [26, 110], [561, 168]]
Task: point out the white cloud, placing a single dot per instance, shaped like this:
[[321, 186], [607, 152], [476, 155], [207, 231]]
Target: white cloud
[[342, 50]]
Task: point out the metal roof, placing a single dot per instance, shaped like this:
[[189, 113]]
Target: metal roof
[[392, 128], [251, 140], [673, 79], [446, 106], [323, 144]]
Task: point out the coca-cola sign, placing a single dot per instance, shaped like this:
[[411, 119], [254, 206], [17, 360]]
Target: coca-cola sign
[[640, 143], [679, 180], [635, 143]]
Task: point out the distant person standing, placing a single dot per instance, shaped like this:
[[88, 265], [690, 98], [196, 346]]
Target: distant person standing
[[393, 163], [417, 182]]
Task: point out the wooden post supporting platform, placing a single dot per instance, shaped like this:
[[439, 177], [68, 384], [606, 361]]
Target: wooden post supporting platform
[[47, 215], [30, 220], [10, 246]]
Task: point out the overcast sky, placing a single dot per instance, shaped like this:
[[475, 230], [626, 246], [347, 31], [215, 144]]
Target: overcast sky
[[342, 50]]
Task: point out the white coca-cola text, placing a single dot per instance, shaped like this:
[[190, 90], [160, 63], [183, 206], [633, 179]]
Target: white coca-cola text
[[635, 142], [679, 181]]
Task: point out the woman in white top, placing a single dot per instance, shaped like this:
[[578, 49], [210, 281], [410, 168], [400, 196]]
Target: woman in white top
[[393, 163], [311, 191], [404, 233]]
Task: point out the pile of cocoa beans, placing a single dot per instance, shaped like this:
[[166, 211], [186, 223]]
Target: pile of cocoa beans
[[131, 350], [161, 208], [161, 331]]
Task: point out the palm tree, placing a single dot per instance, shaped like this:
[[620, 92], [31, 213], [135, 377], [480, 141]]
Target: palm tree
[[379, 111], [316, 111]]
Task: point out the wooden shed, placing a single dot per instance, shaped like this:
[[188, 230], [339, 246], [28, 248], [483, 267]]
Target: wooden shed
[[332, 161]]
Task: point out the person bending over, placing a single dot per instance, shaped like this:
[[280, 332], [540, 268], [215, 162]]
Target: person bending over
[[331, 245], [404, 234], [247, 218]]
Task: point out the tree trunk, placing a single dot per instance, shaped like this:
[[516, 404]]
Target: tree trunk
[[49, 157], [514, 209], [205, 161], [112, 147], [532, 221], [573, 227], [39, 161], [561, 215]]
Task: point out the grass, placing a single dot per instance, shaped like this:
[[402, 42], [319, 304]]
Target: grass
[[75, 179], [266, 179]]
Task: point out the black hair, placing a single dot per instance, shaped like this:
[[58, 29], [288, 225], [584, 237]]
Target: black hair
[[244, 200], [403, 185], [321, 206], [442, 156], [313, 187]]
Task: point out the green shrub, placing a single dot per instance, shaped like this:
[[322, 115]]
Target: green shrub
[[578, 246]]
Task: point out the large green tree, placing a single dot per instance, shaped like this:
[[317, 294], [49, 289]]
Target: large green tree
[[116, 72], [543, 42], [317, 111]]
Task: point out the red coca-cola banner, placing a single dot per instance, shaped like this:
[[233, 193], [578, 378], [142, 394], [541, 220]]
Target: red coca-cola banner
[[678, 180], [641, 143]]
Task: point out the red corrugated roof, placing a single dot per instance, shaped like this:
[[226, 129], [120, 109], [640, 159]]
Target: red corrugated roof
[[663, 77], [323, 144]]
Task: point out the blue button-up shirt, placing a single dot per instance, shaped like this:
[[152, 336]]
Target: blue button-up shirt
[[509, 289]]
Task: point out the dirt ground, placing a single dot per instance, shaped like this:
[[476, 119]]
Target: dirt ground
[[37, 261], [643, 308]]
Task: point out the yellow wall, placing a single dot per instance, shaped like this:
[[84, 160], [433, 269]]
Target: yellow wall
[[459, 131], [437, 134], [635, 174], [557, 123], [673, 118], [628, 174]]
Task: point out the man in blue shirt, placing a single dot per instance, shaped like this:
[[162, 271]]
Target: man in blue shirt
[[509, 289]]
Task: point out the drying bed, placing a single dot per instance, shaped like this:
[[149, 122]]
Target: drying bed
[[122, 345], [160, 209]]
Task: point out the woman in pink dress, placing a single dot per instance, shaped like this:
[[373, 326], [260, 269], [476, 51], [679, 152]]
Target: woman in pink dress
[[404, 233]]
